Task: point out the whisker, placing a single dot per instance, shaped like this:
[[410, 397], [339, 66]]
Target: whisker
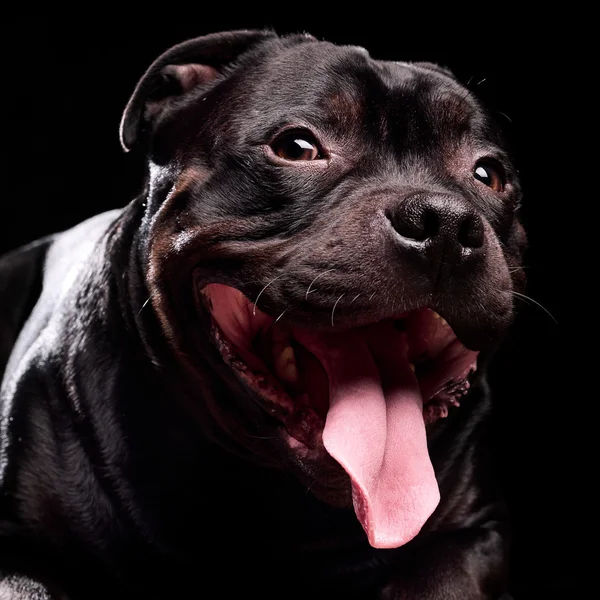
[[371, 296], [279, 317], [262, 437], [333, 309], [308, 488], [536, 303], [505, 116], [353, 299], [261, 291], [311, 283], [513, 269], [480, 82], [144, 306], [270, 326]]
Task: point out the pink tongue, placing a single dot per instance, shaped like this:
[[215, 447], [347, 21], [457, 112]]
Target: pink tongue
[[375, 430]]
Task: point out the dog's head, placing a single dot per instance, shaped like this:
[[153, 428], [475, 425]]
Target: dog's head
[[344, 229]]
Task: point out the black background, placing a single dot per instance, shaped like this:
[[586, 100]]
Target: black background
[[68, 77]]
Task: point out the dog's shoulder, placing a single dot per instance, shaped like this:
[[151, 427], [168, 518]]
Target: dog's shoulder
[[21, 274], [41, 286], [34, 278]]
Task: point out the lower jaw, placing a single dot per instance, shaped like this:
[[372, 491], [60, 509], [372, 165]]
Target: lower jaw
[[318, 473]]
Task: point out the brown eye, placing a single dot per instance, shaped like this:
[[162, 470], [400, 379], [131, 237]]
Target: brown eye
[[297, 147], [490, 175]]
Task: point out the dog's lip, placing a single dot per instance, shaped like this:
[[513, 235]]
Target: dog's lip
[[303, 421]]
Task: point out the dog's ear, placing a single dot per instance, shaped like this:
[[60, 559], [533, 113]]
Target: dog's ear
[[176, 72]]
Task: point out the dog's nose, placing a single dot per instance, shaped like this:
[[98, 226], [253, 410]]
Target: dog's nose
[[436, 226]]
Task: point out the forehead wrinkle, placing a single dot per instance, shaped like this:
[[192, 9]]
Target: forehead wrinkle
[[434, 91], [449, 106], [342, 105], [329, 95], [342, 91], [433, 112]]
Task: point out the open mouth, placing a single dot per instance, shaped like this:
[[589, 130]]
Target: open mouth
[[364, 395]]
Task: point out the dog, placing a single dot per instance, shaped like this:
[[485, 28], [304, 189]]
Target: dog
[[265, 376]]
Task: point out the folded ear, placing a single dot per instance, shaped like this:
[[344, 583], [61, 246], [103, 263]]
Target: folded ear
[[176, 72]]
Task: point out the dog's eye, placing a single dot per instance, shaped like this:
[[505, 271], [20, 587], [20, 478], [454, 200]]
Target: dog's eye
[[297, 147], [490, 175]]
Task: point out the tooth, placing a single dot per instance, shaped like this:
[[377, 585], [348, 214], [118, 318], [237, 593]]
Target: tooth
[[287, 355], [285, 365], [290, 373]]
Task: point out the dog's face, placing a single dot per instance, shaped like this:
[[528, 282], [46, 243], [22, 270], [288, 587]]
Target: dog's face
[[344, 230]]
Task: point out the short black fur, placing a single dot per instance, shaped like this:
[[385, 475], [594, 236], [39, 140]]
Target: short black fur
[[133, 462]]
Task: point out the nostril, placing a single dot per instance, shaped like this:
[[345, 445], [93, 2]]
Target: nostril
[[470, 232], [431, 224], [415, 223]]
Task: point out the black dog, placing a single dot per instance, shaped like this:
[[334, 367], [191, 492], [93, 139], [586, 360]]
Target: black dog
[[252, 381]]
